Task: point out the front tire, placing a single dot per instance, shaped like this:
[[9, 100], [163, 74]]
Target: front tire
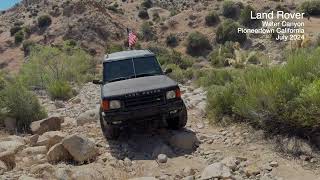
[[180, 121], [109, 131]]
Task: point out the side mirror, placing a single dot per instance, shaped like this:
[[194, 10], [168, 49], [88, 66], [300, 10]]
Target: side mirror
[[97, 81], [168, 71]]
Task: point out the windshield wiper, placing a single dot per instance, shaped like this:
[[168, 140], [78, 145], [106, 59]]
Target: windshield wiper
[[144, 74], [118, 79]]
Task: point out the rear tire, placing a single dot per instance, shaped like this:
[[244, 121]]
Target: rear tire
[[180, 121], [109, 131]]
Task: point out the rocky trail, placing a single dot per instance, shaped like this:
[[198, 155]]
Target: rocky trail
[[73, 147]]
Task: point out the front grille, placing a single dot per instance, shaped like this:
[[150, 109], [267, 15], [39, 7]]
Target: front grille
[[144, 100]]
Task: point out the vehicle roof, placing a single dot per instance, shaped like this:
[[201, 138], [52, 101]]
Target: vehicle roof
[[127, 54]]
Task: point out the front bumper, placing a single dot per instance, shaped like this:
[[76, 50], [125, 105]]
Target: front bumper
[[160, 112]]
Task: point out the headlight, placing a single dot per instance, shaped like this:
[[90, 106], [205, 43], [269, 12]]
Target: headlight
[[171, 94], [115, 104]]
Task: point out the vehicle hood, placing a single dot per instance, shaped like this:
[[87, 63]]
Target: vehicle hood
[[135, 85]]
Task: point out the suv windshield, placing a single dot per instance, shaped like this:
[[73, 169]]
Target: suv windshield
[[130, 68]]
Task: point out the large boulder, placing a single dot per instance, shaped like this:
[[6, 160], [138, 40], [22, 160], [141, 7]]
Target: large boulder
[[50, 138], [216, 170], [12, 145], [87, 117], [45, 125], [8, 157], [58, 153], [81, 148], [184, 140]]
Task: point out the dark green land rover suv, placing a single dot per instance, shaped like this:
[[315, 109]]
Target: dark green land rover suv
[[134, 89]]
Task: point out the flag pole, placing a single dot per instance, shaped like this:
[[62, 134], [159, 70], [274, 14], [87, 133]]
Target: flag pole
[[128, 31]]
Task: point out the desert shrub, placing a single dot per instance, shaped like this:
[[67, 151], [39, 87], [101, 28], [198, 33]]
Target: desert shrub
[[228, 31], [218, 57], [143, 14], [59, 90], [197, 44], [172, 40], [253, 58], [22, 105], [147, 31], [179, 74], [47, 65], [147, 4], [311, 7], [14, 30], [18, 37], [230, 9], [112, 48], [277, 99], [44, 21], [245, 17], [174, 57], [26, 46], [212, 19]]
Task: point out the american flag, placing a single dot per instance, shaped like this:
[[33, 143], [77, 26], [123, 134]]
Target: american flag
[[132, 38]]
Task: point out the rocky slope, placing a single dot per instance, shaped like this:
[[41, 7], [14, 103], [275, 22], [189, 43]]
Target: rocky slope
[[70, 145]]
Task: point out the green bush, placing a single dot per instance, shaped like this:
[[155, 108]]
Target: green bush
[[245, 17], [112, 48], [44, 21], [22, 105], [47, 65], [179, 74], [59, 90], [147, 4], [212, 19], [172, 40], [27, 46], [14, 30], [219, 56], [197, 44], [147, 32], [18, 37], [253, 58], [174, 57], [278, 99], [143, 14], [228, 31], [311, 7], [230, 9]]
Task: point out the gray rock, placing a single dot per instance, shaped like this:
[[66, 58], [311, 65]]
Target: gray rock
[[45, 125], [58, 153], [216, 170], [88, 173], [88, 117], [8, 157], [162, 158], [184, 140], [188, 171], [230, 162], [23, 177], [12, 145], [189, 178], [3, 167], [162, 149], [81, 148], [59, 104], [31, 151], [127, 162]]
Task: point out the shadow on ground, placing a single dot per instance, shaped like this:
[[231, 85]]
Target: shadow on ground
[[147, 144]]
